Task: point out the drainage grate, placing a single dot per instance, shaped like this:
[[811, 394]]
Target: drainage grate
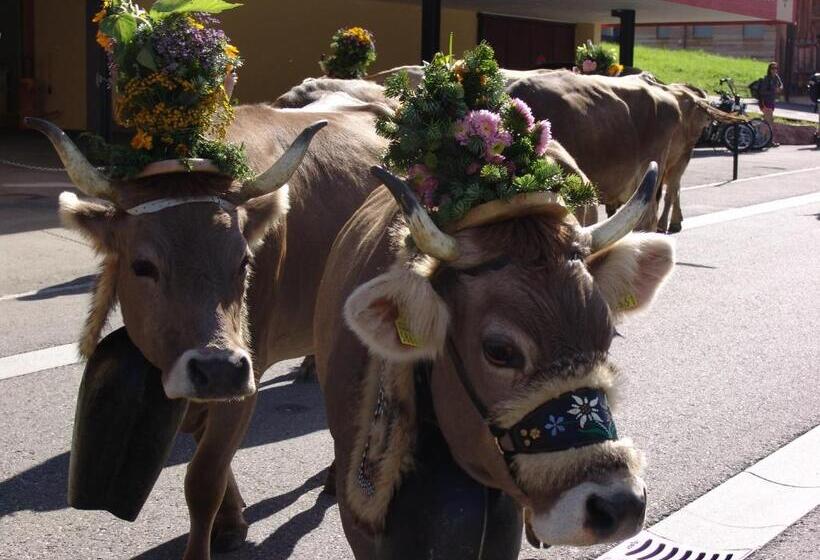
[[647, 546]]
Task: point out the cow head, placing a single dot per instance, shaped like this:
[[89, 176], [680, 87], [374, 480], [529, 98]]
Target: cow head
[[517, 317], [177, 251]]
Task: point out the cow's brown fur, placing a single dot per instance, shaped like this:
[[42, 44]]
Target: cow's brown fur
[[199, 247]]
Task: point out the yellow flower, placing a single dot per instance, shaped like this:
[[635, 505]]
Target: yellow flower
[[99, 16], [194, 23], [231, 51], [104, 41], [615, 69], [142, 141]]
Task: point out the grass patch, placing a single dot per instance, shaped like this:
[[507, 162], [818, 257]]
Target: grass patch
[[698, 68]]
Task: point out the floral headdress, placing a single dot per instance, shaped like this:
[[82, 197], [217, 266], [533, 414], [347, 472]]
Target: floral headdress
[[596, 59], [172, 71], [462, 141], [353, 52]]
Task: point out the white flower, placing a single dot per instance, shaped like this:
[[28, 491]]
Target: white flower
[[585, 409]]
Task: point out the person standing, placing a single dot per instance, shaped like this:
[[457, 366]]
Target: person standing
[[770, 85]]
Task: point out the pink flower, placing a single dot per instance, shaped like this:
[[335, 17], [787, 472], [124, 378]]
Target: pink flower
[[524, 112], [589, 66], [484, 123], [424, 183], [543, 131], [461, 131]]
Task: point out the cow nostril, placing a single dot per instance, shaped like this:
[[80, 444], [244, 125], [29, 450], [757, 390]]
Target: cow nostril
[[242, 364], [601, 517], [198, 377]]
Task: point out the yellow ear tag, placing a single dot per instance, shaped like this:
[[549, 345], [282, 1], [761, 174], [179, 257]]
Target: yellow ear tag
[[406, 336], [628, 302]]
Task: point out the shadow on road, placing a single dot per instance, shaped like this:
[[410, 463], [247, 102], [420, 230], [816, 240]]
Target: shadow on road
[[695, 265], [80, 285], [281, 543], [282, 412]]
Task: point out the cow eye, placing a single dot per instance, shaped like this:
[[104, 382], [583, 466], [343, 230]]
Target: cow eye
[[576, 256], [141, 267], [501, 352]]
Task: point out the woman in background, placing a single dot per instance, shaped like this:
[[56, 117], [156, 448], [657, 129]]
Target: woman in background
[[769, 87]]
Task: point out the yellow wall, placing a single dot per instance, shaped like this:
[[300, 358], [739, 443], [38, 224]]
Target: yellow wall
[[281, 42], [59, 60], [587, 32]]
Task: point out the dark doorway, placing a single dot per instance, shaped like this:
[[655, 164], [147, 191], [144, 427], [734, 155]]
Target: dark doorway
[[524, 44], [11, 57]]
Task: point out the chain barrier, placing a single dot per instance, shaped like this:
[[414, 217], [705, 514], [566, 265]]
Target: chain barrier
[[31, 167]]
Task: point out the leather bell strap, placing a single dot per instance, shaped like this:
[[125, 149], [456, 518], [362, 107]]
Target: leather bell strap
[[574, 419], [163, 203]]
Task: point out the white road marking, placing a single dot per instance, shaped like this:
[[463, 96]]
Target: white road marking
[[747, 179], [38, 360], [752, 210], [744, 513], [41, 185]]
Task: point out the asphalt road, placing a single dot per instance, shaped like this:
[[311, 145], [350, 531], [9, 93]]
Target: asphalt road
[[719, 374]]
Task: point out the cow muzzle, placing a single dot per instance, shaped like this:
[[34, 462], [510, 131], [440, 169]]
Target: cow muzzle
[[207, 374], [593, 513]]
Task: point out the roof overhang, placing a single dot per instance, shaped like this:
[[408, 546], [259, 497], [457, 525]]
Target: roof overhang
[[646, 11]]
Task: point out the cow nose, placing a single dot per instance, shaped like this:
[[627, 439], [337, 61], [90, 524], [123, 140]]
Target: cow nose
[[620, 514], [220, 375]]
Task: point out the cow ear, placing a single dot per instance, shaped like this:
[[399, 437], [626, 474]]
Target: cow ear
[[262, 213], [629, 273], [95, 221], [398, 316]]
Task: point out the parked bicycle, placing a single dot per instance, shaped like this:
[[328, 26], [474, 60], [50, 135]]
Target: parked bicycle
[[754, 134]]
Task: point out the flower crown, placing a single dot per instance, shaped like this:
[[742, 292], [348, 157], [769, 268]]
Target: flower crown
[[354, 50], [596, 59], [172, 71], [462, 141]]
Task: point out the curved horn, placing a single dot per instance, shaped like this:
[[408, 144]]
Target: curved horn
[[85, 176], [427, 236], [279, 173], [627, 217]]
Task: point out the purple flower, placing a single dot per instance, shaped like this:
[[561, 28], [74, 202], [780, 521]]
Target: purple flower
[[543, 132], [424, 183], [524, 112], [485, 125], [589, 66]]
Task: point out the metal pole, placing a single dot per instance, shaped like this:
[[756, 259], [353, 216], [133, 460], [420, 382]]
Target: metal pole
[[430, 28], [627, 39], [735, 151]]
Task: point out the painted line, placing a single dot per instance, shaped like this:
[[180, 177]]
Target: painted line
[[744, 513], [747, 179], [752, 210], [38, 360]]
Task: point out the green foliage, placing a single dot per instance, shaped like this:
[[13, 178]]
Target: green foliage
[[354, 50], [163, 8], [698, 68], [600, 56], [462, 141]]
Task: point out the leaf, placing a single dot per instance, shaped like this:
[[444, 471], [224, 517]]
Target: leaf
[[124, 28], [146, 58], [163, 8]]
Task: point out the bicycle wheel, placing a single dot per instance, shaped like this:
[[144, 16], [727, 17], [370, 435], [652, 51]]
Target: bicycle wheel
[[745, 140], [763, 133]]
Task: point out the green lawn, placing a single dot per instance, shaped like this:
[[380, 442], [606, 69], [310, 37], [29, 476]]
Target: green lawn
[[698, 68]]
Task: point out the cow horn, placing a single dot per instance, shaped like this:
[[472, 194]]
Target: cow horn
[[627, 217], [426, 235], [85, 176], [280, 172]]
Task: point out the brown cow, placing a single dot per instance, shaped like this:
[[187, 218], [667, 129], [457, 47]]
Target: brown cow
[[217, 288], [511, 310], [313, 89]]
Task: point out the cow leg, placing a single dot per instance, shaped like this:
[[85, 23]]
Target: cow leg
[[667, 205], [306, 371], [208, 475], [230, 528], [677, 215]]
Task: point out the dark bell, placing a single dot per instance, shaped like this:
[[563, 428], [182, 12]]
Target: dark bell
[[124, 428]]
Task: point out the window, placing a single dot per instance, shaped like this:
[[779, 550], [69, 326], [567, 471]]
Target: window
[[664, 32], [702, 31], [754, 31], [611, 33]]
